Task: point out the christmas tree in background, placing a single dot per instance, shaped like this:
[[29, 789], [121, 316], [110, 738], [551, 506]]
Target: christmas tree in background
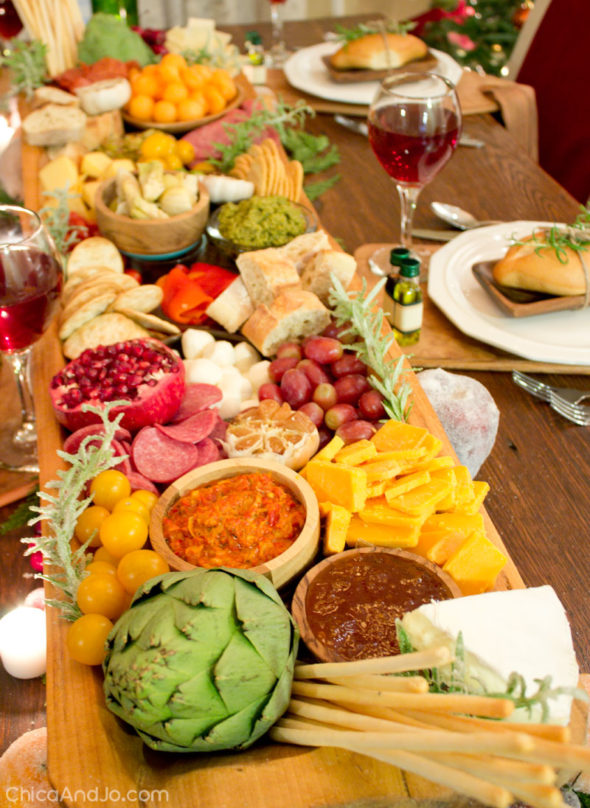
[[479, 34]]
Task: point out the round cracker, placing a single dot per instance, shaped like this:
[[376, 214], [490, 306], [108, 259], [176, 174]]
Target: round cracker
[[78, 297], [106, 329], [83, 275], [151, 321], [95, 251], [85, 312], [145, 297]]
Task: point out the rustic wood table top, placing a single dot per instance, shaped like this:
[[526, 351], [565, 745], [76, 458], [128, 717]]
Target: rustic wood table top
[[540, 465]]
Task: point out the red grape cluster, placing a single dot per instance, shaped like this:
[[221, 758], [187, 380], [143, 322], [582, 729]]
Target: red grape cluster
[[328, 383]]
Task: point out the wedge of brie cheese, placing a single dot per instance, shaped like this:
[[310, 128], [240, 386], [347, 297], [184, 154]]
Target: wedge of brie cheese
[[521, 630]]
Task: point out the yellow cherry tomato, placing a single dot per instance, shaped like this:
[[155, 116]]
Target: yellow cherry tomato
[[164, 112], [109, 487], [101, 566], [139, 566], [132, 504], [86, 638], [89, 523], [123, 532], [148, 498], [185, 150], [102, 593], [102, 554], [173, 162], [156, 145]]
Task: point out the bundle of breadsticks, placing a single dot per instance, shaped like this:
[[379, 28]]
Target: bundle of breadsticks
[[57, 23], [456, 740]]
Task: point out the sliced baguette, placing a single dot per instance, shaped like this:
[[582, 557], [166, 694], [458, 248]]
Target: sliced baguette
[[232, 307], [292, 315], [303, 248], [317, 275], [54, 124], [265, 273]]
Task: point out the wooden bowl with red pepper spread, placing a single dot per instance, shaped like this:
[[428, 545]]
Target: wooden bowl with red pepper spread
[[347, 605], [239, 513]]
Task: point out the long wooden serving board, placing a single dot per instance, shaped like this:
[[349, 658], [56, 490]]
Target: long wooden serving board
[[94, 758]]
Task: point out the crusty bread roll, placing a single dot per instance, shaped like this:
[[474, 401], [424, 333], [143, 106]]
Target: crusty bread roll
[[302, 249], [317, 275], [291, 315], [232, 307], [265, 273], [379, 51], [526, 266], [53, 125]]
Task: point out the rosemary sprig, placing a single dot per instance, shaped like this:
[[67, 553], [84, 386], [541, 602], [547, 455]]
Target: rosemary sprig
[[21, 515], [57, 219], [363, 320], [559, 239], [26, 62], [373, 27], [60, 512], [243, 133]]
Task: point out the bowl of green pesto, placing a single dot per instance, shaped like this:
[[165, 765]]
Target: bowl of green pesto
[[257, 223]]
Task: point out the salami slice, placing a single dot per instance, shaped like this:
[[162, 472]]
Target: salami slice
[[197, 397], [73, 442], [219, 430], [138, 482], [162, 459], [119, 450], [192, 429], [208, 452]]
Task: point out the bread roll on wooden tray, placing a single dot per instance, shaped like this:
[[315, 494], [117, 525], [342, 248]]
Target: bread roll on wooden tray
[[293, 314], [379, 51], [532, 266]]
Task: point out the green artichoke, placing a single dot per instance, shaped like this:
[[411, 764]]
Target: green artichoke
[[202, 661]]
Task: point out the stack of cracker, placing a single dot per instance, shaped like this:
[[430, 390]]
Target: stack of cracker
[[272, 175]]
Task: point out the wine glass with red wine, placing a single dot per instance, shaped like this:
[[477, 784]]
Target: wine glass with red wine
[[30, 285], [414, 127]]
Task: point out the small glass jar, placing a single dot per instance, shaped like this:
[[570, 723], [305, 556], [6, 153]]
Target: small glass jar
[[125, 9], [407, 303]]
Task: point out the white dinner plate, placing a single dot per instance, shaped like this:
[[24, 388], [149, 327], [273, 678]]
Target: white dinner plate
[[306, 71], [562, 337]]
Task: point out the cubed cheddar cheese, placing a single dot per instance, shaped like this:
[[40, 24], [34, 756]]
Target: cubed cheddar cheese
[[376, 489], [379, 471], [356, 453], [466, 523], [433, 464], [379, 512], [476, 564], [361, 532], [446, 546], [395, 435], [464, 492], [448, 475], [331, 449], [340, 484], [421, 501], [405, 484], [336, 529], [480, 491]]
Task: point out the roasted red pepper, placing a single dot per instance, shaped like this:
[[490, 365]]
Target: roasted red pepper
[[189, 290]]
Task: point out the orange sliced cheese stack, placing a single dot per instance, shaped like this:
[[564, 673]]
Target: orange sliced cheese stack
[[394, 490]]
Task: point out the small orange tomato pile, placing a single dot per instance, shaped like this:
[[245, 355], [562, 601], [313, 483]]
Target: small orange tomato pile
[[117, 526], [173, 91]]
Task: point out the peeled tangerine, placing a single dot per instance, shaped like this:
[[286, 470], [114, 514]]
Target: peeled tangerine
[[467, 412]]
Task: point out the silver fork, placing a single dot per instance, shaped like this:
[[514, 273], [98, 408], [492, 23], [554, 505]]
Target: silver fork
[[576, 413], [570, 395]]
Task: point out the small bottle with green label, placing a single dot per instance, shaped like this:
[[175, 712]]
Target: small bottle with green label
[[396, 256], [407, 303], [125, 9]]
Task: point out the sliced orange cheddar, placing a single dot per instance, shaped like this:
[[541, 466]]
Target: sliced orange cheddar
[[340, 484], [448, 503], [356, 453], [464, 492], [404, 484], [476, 564], [379, 512], [464, 522], [336, 529], [395, 435], [447, 545], [421, 501], [376, 489], [361, 532], [379, 471], [480, 491], [330, 450], [433, 464]]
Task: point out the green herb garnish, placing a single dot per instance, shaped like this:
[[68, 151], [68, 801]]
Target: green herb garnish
[[315, 189], [373, 27], [21, 514], [559, 239], [26, 62], [357, 312], [314, 152], [60, 512], [57, 219]]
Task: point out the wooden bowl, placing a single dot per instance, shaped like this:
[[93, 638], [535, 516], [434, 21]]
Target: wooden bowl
[[150, 236], [338, 596], [278, 570]]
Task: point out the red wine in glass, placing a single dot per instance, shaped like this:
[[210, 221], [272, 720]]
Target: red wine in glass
[[10, 22], [414, 127], [30, 287]]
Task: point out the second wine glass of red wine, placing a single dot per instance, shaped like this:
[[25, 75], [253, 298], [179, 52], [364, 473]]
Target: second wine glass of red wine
[[414, 127]]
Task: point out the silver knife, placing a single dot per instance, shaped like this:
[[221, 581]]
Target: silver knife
[[361, 128], [435, 235]]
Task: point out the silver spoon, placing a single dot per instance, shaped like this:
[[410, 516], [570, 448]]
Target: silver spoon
[[459, 218]]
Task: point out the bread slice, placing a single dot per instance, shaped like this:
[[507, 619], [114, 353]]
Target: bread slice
[[53, 95], [232, 307], [533, 266], [379, 51], [292, 315], [265, 273], [54, 124], [317, 275], [303, 248]]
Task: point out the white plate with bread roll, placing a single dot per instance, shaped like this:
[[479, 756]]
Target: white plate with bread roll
[[305, 70], [561, 337]]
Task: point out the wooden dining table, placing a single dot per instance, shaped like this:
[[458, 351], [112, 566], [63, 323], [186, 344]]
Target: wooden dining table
[[539, 467]]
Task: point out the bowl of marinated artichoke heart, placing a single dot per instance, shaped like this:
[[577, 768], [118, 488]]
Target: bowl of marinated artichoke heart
[[152, 211]]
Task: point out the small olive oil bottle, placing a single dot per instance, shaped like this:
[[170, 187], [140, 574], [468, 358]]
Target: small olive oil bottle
[[407, 303], [396, 256]]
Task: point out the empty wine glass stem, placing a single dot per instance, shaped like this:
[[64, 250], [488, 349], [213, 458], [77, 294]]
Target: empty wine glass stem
[[20, 361], [408, 196]]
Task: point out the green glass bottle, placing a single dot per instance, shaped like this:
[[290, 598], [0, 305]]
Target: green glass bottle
[[125, 9], [407, 303]]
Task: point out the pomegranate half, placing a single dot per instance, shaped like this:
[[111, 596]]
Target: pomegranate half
[[143, 372]]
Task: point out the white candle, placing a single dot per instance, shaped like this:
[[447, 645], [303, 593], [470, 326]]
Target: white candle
[[23, 642]]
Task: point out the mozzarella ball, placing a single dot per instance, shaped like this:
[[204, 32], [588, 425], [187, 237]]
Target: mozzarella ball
[[246, 355], [258, 374], [248, 403], [220, 352], [202, 371], [194, 341]]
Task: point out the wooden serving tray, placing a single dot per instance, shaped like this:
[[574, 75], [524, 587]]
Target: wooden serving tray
[[91, 754]]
